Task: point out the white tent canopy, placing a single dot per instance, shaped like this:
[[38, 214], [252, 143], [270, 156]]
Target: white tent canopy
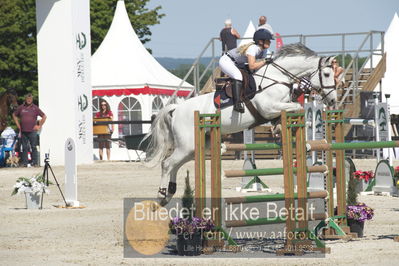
[[249, 33], [133, 83], [122, 61], [391, 47]]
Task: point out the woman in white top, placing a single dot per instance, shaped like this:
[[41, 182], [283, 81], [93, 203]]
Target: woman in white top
[[245, 54]]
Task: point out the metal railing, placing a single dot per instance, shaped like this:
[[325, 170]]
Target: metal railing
[[367, 48]]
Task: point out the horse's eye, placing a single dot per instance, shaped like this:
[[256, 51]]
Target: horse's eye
[[327, 74]]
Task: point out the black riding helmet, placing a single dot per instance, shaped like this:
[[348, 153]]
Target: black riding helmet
[[262, 34]]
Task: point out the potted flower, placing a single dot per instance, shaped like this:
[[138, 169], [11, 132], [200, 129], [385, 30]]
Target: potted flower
[[33, 189], [365, 178], [357, 213], [189, 232], [396, 176]]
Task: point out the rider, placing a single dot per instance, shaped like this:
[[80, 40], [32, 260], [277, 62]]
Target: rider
[[245, 54]]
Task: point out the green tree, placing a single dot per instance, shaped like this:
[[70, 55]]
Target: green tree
[[18, 50], [188, 196], [183, 69], [18, 55], [102, 12]]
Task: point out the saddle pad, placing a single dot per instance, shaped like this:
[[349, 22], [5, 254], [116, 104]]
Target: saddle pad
[[222, 100]]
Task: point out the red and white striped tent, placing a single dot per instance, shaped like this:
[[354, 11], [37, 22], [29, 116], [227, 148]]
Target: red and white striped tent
[[129, 78]]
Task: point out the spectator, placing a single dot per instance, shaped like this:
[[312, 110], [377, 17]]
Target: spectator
[[338, 74], [228, 36], [7, 145], [25, 118], [105, 139], [8, 136], [264, 25]]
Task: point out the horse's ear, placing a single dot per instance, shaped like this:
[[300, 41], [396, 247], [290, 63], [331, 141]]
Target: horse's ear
[[326, 61], [330, 59]]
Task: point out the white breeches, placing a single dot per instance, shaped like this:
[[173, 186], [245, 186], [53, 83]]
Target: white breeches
[[229, 68]]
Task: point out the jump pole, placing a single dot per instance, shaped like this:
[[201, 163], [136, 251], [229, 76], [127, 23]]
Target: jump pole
[[294, 245], [202, 122]]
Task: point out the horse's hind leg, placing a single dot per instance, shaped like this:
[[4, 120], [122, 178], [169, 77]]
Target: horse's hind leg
[[170, 167]]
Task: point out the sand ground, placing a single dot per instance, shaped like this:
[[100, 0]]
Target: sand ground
[[94, 235]]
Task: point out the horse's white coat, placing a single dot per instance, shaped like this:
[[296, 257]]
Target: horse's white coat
[[172, 133]]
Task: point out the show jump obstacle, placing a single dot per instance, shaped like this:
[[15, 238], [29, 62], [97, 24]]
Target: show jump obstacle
[[291, 122], [302, 237]]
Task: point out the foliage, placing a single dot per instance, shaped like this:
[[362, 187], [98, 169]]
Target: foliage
[[396, 172], [188, 196], [191, 226], [102, 12], [18, 50], [359, 212], [183, 69], [35, 184], [354, 210], [351, 191], [348, 58], [365, 175], [18, 55]]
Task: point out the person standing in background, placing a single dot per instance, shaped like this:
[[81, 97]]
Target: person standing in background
[[228, 36], [338, 74], [105, 139], [263, 24], [25, 117]]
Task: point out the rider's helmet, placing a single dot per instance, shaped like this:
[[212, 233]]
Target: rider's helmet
[[262, 34]]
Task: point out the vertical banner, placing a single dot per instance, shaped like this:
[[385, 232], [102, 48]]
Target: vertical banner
[[63, 54], [82, 54], [279, 41], [71, 178], [309, 120], [381, 121], [314, 121]]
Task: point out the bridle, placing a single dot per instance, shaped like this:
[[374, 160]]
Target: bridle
[[10, 96], [297, 79]]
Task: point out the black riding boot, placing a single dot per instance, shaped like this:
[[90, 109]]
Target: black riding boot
[[238, 105]]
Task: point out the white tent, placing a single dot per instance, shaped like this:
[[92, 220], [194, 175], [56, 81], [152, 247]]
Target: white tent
[[249, 33], [391, 47], [128, 77]]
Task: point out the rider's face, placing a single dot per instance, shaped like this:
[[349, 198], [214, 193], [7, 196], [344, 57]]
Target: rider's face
[[264, 44]]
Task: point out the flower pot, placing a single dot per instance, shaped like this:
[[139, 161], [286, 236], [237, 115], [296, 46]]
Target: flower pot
[[189, 245], [32, 200], [356, 227]]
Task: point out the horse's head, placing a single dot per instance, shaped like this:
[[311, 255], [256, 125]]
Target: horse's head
[[12, 99], [323, 81]]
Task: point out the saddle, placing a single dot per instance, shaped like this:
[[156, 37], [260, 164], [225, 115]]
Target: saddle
[[223, 96]]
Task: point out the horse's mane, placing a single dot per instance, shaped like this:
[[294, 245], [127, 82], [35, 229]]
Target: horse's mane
[[294, 49], [11, 91]]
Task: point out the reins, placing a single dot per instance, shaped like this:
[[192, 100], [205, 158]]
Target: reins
[[294, 78]]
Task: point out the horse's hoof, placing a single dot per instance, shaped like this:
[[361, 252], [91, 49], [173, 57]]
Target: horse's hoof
[[155, 206], [276, 130], [163, 201]]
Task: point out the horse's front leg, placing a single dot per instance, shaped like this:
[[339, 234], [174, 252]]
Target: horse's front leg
[[289, 107]]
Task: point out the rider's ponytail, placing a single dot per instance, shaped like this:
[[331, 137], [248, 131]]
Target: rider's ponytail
[[243, 48]]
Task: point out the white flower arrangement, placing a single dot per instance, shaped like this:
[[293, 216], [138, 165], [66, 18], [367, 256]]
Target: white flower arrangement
[[35, 184]]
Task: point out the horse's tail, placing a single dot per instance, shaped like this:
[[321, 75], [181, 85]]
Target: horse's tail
[[160, 137]]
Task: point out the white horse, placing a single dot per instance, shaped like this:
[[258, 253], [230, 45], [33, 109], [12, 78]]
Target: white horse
[[172, 132]]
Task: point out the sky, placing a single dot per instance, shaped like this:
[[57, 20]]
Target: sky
[[188, 25]]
